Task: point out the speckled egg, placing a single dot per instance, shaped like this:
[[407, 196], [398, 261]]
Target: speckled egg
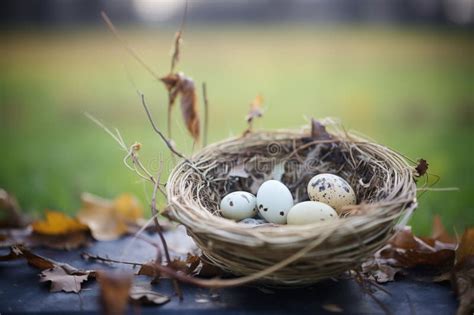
[[274, 200], [239, 205], [307, 212], [332, 190]]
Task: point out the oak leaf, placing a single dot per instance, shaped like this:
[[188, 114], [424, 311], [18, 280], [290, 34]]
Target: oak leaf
[[62, 280]]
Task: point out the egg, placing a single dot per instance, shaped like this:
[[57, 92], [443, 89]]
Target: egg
[[310, 212], [239, 205], [274, 200], [332, 190]]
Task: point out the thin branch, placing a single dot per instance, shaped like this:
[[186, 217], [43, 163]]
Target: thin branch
[[155, 128], [206, 113], [159, 229], [177, 40], [132, 52]]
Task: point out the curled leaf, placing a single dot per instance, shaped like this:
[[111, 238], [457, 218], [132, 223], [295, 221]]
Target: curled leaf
[[183, 86]]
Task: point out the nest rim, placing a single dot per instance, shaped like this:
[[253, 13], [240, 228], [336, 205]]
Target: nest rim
[[375, 225]]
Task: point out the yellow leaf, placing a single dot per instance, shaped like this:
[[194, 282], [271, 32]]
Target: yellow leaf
[[57, 223], [109, 220], [128, 207]]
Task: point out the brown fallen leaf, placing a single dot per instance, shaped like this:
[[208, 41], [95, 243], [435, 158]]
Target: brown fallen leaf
[[466, 246], [143, 294], [439, 232], [11, 215], [68, 241], [180, 85], [114, 291], [109, 220], [462, 277], [62, 280], [63, 277], [427, 258], [149, 269], [57, 223]]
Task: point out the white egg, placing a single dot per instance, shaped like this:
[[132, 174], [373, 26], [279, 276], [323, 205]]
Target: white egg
[[332, 190], [274, 200], [310, 212], [238, 205]]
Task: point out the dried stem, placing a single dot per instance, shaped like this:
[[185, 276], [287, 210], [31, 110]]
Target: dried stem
[[126, 46], [177, 40], [159, 230], [206, 113], [165, 140]]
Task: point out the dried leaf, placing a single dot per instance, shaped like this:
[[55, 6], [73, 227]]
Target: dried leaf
[[114, 291], [462, 278], [109, 220], [466, 246], [149, 269], [463, 285], [439, 233], [432, 258], [57, 223], [183, 86], [63, 281], [318, 131], [11, 215], [142, 293], [422, 167], [256, 110], [68, 241], [63, 277], [128, 207]]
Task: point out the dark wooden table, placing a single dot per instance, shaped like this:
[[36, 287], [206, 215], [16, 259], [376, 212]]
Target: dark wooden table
[[21, 293]]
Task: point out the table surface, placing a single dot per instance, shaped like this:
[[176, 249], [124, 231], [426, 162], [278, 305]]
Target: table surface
[[21, 293]]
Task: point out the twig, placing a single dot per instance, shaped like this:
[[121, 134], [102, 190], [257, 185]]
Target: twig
[[159, 230], [177, 40], [126, 46], [137, 167], [206, 113], [165, 140], [361, 281]]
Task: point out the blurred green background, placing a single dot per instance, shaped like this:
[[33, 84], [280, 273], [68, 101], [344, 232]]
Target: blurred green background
[[410, 88]]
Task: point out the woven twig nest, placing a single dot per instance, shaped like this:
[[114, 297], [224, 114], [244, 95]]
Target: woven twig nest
[[285, 254]]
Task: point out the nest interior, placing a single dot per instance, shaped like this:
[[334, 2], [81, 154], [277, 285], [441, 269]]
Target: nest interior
[[291, 255]]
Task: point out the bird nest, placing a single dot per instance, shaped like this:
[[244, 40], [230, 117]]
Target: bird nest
[[292, 255]]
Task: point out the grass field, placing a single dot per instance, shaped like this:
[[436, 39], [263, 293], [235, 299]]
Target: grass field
[[411, 89]]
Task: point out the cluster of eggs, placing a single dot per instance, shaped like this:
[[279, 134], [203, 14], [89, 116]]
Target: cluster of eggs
[[274, 203]]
